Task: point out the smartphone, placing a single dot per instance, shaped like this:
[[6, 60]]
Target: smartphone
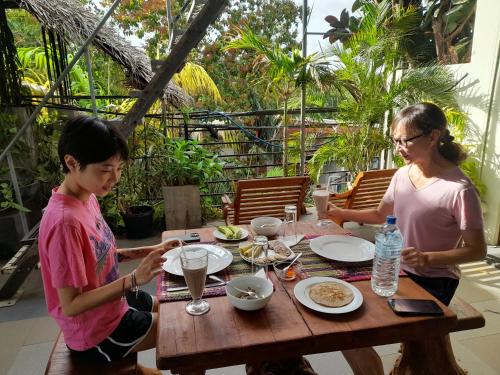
[[191, 237], [414, 307]]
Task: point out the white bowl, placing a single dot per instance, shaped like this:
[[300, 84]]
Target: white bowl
[[266, 226], [261, 286]]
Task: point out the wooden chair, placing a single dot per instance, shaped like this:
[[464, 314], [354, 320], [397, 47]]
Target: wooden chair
[[367, 191], [61, 362], [264, 197]]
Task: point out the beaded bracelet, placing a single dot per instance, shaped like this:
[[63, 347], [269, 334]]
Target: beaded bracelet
[[123, 288], [135, 287]]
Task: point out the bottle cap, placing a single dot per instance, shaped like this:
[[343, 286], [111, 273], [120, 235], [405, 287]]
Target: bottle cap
[[391, 219]]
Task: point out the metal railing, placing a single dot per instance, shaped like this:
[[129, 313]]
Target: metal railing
[[6, 154]]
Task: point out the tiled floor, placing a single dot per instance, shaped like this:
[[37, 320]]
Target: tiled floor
[[27, 333]]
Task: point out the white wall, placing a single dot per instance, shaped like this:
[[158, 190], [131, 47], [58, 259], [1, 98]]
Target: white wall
[[476, 91]]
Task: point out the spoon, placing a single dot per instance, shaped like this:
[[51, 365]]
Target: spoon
[[292, 262], [216, 278], [267, 225], [249, 293]]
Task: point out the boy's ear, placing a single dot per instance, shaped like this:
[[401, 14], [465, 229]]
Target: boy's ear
[[71, 163]]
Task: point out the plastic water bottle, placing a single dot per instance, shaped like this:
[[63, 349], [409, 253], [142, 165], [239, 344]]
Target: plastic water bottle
[[388, 244]]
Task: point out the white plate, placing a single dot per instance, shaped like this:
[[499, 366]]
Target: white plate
[[343, 248], [218, 259], [261, 255], [301, 292], [221, 236]]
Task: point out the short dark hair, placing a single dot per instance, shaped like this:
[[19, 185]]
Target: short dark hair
[[90, 140]]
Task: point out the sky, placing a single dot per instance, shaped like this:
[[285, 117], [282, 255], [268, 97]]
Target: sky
[[319, 10]]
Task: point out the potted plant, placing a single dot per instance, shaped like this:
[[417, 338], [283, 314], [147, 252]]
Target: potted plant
[[132, 202], [183, 167]]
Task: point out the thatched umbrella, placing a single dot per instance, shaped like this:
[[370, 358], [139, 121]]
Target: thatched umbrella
[[76, 23]]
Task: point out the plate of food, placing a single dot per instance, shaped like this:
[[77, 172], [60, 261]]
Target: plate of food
[[343, 248], [230, 233], [218, 259], [328, 295], [255, 254]]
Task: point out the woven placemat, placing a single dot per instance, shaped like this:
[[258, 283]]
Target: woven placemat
[[312, 265], [237, 268]]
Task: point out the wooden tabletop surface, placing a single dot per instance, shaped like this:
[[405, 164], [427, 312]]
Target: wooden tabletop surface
[[226, 336]]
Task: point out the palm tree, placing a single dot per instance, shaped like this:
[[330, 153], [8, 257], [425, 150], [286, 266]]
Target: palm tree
[[282, 71], [370, 85]]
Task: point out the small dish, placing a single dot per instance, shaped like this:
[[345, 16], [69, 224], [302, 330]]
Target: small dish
[[291, 273], [273, 255], [259, 285], [221, 236]]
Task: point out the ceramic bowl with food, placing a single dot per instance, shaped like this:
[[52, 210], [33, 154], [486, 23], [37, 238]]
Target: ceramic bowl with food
[[266, 225], [262, 287]]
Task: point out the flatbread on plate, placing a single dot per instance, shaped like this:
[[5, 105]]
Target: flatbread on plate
[[331, 294]]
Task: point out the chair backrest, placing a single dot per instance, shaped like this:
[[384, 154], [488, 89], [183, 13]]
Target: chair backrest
[[368, 189], [268, 197]]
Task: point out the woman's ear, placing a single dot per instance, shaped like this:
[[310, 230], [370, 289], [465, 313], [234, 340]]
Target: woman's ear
[[71, 163], [435, 136]]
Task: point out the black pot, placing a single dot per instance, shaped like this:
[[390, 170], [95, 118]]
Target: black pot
[[138, 222]]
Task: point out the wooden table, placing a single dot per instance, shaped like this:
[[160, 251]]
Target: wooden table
[[226, 336]]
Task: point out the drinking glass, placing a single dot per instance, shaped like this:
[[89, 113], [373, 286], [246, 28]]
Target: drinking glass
[[261, 241], [194, 264], [289, 228], [320, 197]]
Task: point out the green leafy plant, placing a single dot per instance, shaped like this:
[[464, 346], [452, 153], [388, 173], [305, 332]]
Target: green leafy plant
[[181, 162], [7, 201], [470, 168]]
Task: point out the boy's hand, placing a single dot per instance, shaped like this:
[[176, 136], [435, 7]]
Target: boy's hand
[[168, 245], [149, 267]]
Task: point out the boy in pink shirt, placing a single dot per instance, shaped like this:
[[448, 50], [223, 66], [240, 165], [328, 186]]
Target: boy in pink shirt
[[100, 317]]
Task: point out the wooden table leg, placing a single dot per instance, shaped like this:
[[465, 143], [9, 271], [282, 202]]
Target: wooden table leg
[[433, 356]]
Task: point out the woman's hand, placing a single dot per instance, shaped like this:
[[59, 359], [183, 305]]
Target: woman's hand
[[414, 258], [149, 267], [332, 211]]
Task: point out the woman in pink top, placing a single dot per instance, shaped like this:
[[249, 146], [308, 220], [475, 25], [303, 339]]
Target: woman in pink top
[[436, 206], [103, 316]]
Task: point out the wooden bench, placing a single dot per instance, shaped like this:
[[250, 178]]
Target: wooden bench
[[61, 362], [467, 316], [366, 193], [264, 197]]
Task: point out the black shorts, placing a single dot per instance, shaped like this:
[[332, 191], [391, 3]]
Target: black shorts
[[132, 329], [443, 288]]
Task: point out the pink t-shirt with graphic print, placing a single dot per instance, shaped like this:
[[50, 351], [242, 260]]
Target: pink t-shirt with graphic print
[[432, 217], [77, 249]]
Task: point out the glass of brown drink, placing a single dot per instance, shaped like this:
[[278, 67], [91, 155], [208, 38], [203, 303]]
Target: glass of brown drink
[[194, 263], [320, 197]]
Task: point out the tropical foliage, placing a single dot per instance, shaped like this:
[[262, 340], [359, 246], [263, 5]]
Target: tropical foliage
[[282, 72], [370, 85], [444, 31]]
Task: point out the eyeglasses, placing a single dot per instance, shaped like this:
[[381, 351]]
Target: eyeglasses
[[406, 142]]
